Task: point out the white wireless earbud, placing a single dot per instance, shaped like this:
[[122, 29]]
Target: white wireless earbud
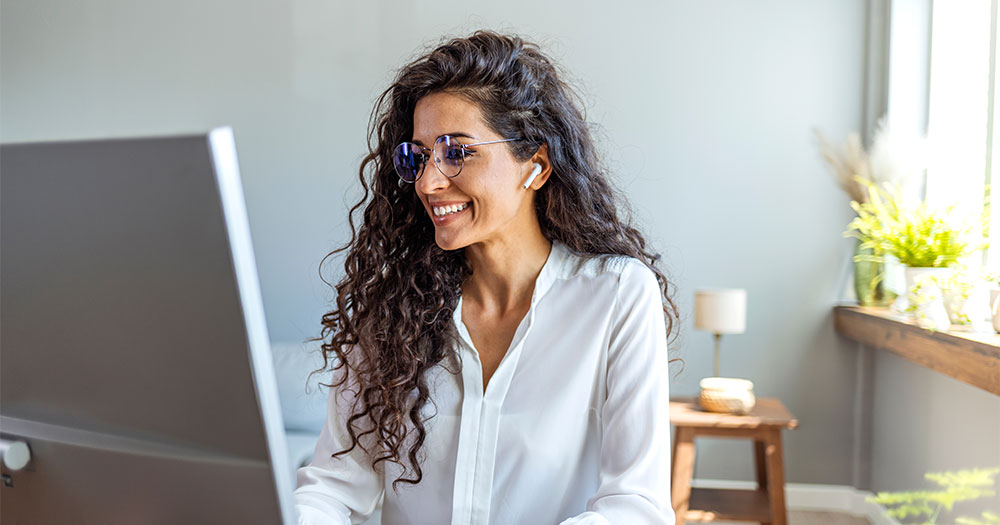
[[534, 173]]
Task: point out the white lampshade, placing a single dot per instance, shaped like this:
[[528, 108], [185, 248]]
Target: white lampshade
[[721, 311]]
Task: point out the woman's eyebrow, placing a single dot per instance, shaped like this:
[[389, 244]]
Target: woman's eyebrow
[[453, 134]]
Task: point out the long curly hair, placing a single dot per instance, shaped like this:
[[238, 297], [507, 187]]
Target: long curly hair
[[394, 305]]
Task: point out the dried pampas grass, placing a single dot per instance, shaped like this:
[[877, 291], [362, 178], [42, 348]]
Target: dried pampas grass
[[847, 163], [894, 159]]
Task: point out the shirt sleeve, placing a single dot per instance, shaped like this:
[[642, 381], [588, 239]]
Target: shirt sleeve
[[635, 452], [344, 490]]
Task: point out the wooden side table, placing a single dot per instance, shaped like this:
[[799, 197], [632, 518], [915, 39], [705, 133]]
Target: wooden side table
[[763, 425]]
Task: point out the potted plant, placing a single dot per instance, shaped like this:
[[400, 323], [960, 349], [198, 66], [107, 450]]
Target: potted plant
[[929, 243], [892, 158], [870, 252], [966, 298]]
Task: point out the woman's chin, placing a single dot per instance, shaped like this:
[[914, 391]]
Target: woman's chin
[[448, 243]]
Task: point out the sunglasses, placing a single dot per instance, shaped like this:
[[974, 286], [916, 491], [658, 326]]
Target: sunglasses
[[449, 157]]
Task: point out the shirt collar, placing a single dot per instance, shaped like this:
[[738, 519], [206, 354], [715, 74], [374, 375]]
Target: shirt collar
[[551, 271]]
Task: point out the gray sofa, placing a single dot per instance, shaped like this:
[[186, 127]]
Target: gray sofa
[[303, 401], [303, 405]]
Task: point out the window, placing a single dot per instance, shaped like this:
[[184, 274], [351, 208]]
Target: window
[[961, 114]]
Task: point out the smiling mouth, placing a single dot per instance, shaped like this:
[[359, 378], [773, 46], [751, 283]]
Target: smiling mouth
[[444, 211]]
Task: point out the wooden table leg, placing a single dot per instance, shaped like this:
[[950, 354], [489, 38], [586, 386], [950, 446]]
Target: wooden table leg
[[760, 466], [682, 467], [775, 477]]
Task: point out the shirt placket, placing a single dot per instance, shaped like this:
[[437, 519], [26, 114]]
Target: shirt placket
[[480, 425]]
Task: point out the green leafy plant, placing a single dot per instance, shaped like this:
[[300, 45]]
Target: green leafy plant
[[918, 237], [867, 228], [989, 518], [957, 486], [924, 292]]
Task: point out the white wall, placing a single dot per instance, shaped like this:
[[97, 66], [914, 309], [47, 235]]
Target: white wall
[[924, 422], [706, 111]]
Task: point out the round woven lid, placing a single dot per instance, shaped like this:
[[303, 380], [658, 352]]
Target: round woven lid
[[725, 383]]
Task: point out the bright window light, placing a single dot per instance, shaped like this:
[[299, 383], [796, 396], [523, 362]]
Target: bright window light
[[959, 120]]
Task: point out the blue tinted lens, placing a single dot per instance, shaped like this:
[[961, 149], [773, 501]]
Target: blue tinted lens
[[408, 159], [449, 155]]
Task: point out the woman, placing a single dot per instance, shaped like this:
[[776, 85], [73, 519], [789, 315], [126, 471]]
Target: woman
[[500, 334]]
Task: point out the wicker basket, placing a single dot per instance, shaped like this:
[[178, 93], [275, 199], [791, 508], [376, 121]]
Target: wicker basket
[[726, 395]]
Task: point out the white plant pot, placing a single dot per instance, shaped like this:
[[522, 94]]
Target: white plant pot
[[971, 309], [954, 305], [995, 308], [924, 297]]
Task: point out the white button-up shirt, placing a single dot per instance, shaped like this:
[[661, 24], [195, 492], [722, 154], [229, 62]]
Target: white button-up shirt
[[573, 427]]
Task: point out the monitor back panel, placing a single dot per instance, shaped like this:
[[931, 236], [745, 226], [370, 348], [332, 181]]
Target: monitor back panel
[[124, 344]]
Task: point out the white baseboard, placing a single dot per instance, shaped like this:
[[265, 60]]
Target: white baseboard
[[806, 496]]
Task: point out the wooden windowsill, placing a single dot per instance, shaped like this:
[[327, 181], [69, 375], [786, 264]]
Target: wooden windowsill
[[973, 358]]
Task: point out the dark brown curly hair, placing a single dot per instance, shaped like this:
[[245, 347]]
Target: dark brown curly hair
[[394, 306]]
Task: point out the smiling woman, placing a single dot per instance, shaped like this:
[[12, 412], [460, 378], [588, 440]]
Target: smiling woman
[[499, 342], [491, 177]]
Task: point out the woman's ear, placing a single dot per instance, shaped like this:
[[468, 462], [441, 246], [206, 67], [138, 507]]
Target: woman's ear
[[540, 164]]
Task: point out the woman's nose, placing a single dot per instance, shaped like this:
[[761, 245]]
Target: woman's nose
[[431, 180]]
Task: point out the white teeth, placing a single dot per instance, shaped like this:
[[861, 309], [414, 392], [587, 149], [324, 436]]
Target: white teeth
[[441, 211]]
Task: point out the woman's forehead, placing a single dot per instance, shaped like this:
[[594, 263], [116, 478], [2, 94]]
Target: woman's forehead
[[447, 114]]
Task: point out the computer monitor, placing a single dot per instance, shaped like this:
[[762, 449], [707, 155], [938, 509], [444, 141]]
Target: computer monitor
[[134, 355]]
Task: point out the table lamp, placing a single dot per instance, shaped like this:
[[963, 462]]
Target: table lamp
[[723, 311]]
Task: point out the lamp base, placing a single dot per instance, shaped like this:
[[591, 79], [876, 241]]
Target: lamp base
[[726, 395]]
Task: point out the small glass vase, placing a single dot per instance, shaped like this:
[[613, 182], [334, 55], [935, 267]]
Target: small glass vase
[[869, 280], [925, 297]]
